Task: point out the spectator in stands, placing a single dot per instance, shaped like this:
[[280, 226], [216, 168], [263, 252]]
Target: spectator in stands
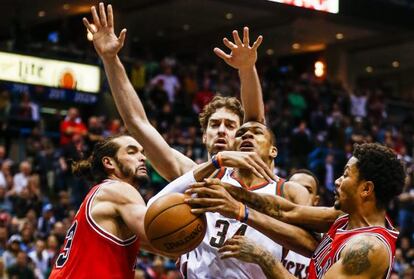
[[170, 82], [406, 207], [72, 125], [5, 204], [21, 179], [46, 221], [114, 128], [359, 103], [40, 259], [5, 106], [13, 248], [204, 96], [95, 131], [301, 145], [4, 236], [22, 268]]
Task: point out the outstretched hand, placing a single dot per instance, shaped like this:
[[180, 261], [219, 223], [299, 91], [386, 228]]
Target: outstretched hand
[[242, 55], [106, 43]]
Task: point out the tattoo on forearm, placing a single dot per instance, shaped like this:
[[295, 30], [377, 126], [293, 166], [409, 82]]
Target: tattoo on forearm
[[268, 264], [266, 206], [356, 259], [258, 202]]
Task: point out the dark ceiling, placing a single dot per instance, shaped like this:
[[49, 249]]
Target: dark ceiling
[[188, 25]]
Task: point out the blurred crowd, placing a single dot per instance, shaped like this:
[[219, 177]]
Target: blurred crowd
[[316, 123]]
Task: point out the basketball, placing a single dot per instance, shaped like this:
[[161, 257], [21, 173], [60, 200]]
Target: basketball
[[171, 227]]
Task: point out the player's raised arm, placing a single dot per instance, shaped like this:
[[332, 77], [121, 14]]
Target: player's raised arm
[[166, 161], [243, 57]]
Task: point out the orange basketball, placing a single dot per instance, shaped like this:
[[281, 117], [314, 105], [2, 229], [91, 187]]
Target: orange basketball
[[171, 227]]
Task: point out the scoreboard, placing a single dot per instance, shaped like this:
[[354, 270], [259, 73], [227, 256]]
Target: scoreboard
[[330, 6]]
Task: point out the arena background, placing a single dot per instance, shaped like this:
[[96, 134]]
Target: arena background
[[329, 80]]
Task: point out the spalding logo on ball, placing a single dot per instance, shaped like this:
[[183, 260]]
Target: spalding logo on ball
[[171, 227]]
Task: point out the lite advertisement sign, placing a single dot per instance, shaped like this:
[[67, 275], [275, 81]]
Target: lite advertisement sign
[[48, 72], [330, 6]]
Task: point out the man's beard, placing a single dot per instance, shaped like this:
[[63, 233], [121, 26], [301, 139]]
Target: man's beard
[[137, 179]]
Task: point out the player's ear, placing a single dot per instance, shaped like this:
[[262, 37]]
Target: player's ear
[[108, 162], [273, 152], [204, 137], [367, 189]]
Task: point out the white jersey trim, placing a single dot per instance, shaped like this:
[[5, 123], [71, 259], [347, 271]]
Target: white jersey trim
[[99, 229]]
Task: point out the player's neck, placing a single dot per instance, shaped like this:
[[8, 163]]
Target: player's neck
[[364, 217], [248, 178]]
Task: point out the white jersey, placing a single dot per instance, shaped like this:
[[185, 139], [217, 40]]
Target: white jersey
[[204, 261], [296, 264]]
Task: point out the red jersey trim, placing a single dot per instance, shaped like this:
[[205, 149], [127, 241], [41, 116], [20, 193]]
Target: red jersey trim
[[101, 231]]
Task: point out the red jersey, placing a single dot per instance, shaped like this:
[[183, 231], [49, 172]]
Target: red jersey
[[91, 252], [334, 241]]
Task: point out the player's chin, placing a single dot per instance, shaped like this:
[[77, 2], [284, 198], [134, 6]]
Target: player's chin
[[219, 147], [142, 178]]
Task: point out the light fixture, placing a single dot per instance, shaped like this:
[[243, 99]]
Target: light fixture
[[41, 13], [395, 64], [339, 36], [66, 6], [296, 46], [229, 16], [369, 69], [319, 69], [270, 51], [186, 27]]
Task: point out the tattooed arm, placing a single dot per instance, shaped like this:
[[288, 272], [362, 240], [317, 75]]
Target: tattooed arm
[[244, 249], [364, 256], [314, 218]]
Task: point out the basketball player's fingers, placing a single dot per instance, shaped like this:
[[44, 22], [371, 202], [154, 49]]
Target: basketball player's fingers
[[212, 181], [88, 25], [102, 15], [110, 13], [231, 241], [229, 248], [203, 190], [254, 168], [236, 38], [121, 37], [204, 210], [95, 17], [246, 39], [229, 44], [265, 170], [229, 255], [198, 184], [204, 202], [221, 54], [258, 42]]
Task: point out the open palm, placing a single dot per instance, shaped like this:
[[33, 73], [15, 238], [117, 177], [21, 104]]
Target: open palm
[[242, 54], [106, 43]]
